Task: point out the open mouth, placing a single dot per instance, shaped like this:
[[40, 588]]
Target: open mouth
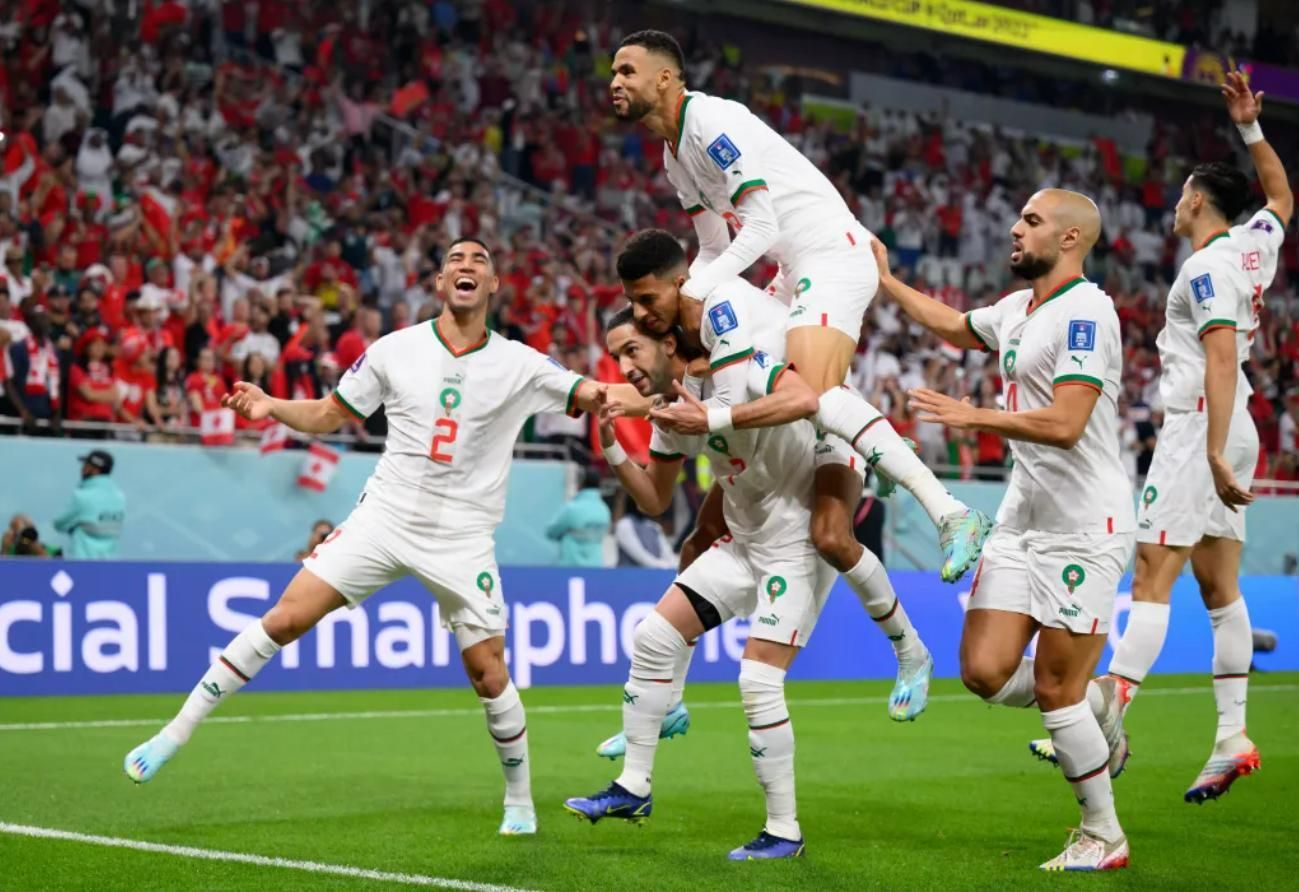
[[466, 285]]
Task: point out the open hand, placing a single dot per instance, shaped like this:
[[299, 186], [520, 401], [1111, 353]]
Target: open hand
[[942, 409], [1224, 482], [249, 401], [1243, 107], [688, 415]]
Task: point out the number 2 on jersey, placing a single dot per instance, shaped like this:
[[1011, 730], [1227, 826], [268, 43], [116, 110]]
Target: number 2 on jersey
[[445, 434]]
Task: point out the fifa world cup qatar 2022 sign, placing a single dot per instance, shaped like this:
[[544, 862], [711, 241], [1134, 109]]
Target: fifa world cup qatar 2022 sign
[[69, 627]]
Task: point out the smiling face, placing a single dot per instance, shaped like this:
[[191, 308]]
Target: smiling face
[[645, 362], [655, 301], [468, 277], [639, 79]]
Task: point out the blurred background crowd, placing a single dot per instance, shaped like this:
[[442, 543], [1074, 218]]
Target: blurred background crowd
[[197, 193]]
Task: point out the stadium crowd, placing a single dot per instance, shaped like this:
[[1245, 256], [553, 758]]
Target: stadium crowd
[[218, 190]]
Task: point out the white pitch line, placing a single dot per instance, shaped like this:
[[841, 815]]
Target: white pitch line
[[341, 870], [543, 709]]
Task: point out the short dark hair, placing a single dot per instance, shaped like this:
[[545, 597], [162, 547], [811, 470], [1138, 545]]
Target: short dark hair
[[472, 241], [626, 316], [659, 42], [650, 252], [1226, 187]]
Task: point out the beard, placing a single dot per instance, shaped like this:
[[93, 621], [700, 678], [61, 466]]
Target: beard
[[636, 109], [1032, 267]]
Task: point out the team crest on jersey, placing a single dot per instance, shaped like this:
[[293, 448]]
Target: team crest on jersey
[[723, 152], [1263, 225], [356, 366], [723, 318], [1202, 288], [1082, 334]]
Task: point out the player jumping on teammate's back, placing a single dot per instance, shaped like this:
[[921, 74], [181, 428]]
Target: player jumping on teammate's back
[[456, 397], [732, 171], [766, 568], [1193, 502], [1066, 526], [736, 322]]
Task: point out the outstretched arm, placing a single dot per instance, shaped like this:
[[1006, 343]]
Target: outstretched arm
[[322, 416], [949, 324], [1060, 424], [1244, 108]]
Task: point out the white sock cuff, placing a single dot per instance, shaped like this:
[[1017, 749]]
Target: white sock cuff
[[1148, 609], [504, 701], [1068, 715], [864, 569], [762, 690], [656, 645], [254, 635], [1220, 615], [1017, 688]]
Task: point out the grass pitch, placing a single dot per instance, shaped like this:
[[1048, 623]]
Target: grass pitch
[[408, 784]]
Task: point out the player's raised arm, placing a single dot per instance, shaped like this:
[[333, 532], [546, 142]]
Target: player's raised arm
[[1244, 108], [712, 233], [949, 324], [787, 398], [322, 416], [650, 487]]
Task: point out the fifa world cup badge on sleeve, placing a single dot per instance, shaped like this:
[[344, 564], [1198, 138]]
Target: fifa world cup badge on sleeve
[[1082, 334], [723, 318], [723, 152], [1202, 288]]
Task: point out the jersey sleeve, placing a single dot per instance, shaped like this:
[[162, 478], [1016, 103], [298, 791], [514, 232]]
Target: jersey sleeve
[[1212, 296], [985, 323], [762, 373], [364, 386], [1266, 232], [726, 331], [665, 446], [553, 388], [1087, 345]]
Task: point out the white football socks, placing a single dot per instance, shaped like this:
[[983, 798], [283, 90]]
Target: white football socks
[[845, 414], [1084, 758], [508, 725], [1233, 648], [871, 584], [1018, 690], [1143, 639], [242, 659], [656, 648], [679, 673], [771, 744]]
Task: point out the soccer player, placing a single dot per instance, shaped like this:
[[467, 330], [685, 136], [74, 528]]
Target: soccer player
[[736, 320], [1198, 486], [1065, 529], [732, 170], [456, 396], [766, 567]]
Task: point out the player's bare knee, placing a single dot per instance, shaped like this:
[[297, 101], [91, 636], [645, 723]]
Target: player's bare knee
[[490, 681], [286, 622], [834, 541], [983, 678]]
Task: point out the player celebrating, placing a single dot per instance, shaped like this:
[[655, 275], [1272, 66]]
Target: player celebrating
[[1205, 457], [1065, 529], [735, 321], [456, 396], [729, 168], [767, 565]]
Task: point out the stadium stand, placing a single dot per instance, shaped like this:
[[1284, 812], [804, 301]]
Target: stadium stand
[[201, 195]]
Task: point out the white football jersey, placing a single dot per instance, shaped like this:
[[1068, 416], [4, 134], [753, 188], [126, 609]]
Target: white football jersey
[[724, 152], [1219, 286], [739, 319], [1071, 338], [766, 474], [453, 419]]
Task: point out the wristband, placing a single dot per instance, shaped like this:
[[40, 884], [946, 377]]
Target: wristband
[[719, 420], [1251, 132], [614, 455]]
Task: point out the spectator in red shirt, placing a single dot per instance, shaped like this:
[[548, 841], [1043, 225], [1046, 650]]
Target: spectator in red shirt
[[204, 388], [366, 328], [92, 387], [139, 404]]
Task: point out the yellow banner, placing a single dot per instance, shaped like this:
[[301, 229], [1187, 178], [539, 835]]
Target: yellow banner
[[982, 21]]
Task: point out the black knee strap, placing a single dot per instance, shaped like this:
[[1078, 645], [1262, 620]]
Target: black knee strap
[[704, 608]]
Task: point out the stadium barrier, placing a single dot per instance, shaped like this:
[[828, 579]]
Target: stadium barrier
[[69, 627]]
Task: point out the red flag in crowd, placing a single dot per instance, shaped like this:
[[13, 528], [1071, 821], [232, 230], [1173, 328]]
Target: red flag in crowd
[[217, 427], [318, 467], [274, 438]]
